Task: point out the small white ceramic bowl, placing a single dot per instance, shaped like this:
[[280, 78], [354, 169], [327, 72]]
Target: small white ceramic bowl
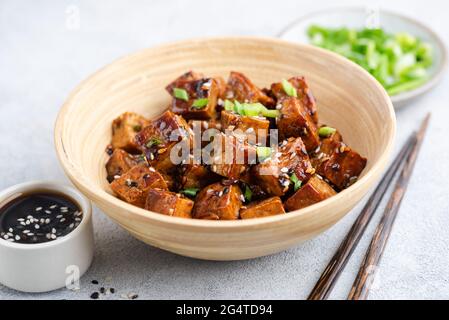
[[358, 17], [47, 266]]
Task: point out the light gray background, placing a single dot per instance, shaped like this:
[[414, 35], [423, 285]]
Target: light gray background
[[41, 60]]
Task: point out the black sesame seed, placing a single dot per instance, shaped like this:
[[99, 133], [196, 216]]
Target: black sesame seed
[[102, 290], [94, 295], [112, 290], [134, 296]]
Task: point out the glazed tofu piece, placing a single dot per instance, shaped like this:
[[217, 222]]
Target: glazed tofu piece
[[295, 121], [242, 89], [200, 126], [197, 176], [342, 166], [200, 101], [133, 186], [160, 136], [234, 158], [120, 162], [124, 130], [315, 190], [218, 202], [274, 174], [169, 203], [254, 127], [186, 77], [264, 208], [303, 92]]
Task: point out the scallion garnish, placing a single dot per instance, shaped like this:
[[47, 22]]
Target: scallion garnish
[[155, 141], [297, 183], [248, 194], [325, 132], [190, 192], [289, 89], [250, 109], [200, 103], [180, 94], [263, 152]]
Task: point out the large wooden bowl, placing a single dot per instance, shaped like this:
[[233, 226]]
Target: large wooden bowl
[[348, 98]]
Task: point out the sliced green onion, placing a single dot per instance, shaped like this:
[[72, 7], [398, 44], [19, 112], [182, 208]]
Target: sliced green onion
[[297, 183], [200, 103], [180, 94], [153, 142], [250, 109], [190, 192], [228, 105], [248, 194], [137, 128], [271, 113], [400, 62], [289, 89], [325, 132], [263, 152]]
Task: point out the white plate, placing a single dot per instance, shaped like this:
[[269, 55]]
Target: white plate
[[357, 17]]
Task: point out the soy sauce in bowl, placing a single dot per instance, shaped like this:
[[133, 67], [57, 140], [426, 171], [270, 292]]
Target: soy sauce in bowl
[[38, 217]]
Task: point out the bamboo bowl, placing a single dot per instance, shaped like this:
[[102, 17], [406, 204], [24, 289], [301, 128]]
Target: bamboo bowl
[[348, 99]]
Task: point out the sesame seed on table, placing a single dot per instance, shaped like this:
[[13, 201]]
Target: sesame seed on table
[[32, 90]]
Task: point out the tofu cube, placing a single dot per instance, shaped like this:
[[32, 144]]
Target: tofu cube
[[119, 163], [342, 166], [242, 89], [218, 202], [124, 130], [234, 157], [304, 95], [274, 173], [204, 88], [254, 127], [295, 121], [197, 176], [169, 203], [264, 208], [315, 190], [186, 77], [133, 186], [160, 136]]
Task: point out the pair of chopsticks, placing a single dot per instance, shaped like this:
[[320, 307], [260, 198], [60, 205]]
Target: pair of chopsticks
[[404, 161]]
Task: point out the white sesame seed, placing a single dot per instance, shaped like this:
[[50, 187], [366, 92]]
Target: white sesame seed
[[116, 177], [59, 216], [36, 226], [27, 222], [77, 219], [71, 225], [53, 236], [10, 234], [64, 208], [6, 237], [47, 211], [26, 231], [284, 169], [30, 217], [21, 219], [30, 234], [23, 223], [47, 221], [62, 220], [17, 237], [53, 206], [38, 209], [53, 230], [48, 236], [10, 230]]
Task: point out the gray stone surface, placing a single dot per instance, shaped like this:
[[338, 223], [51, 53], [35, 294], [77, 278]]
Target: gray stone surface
[[43, 55]]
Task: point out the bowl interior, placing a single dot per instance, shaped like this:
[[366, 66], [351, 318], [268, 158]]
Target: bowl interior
[[355, 17], [348, 98]]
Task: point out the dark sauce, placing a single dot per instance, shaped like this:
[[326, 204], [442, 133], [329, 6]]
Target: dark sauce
[[38, 217]]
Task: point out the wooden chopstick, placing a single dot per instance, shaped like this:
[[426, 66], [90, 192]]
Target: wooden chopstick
[[362, 283], [341, 257]]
